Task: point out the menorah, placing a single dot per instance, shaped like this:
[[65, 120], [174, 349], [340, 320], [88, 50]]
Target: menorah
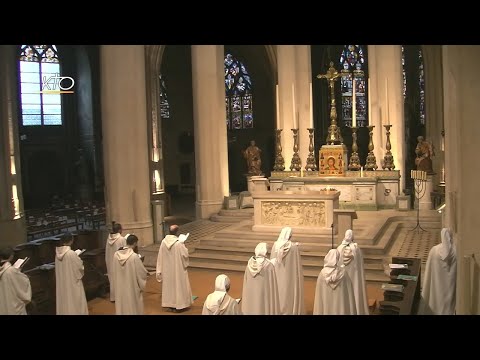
[[420, 185]]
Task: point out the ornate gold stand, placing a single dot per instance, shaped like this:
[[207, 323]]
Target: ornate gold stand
[[371, 160], [354, 163], [279, 161], [296, 161], [388, 158], [311, 163]]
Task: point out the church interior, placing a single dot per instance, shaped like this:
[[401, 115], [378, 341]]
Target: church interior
[[233, 143]]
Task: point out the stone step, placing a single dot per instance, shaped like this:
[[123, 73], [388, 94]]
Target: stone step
[[241, 213], [224, 219]]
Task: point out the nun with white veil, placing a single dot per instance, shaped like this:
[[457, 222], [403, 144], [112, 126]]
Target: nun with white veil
[[260, 290], [439, 285], [334, 291], [351, 256], [285, 255], [219, 302]]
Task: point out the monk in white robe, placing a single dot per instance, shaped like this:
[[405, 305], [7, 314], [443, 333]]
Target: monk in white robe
[[172, 264], [114, 242], [219, 302], [15, 289], [440, 279], [351, 256], [285, 255], [260, 289], [130, 278], [70, 294], [334, 291]]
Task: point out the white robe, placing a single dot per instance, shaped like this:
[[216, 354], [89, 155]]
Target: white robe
[[289, 272], [260, 289], [114, 242], [15, 290], [356, 273], [70, 294], [228, 306], [172, 264], [438, 292], [130, 278], [334, 290]]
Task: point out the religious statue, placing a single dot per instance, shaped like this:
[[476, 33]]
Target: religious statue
[[254, 162], [424, 151]]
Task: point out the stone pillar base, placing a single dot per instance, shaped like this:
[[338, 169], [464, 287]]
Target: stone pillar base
[[143, 230], [205, 208], [13, 232]]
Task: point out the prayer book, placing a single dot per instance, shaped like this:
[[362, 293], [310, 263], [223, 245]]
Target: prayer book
[[194, 297], [80, 251], [407, 277], [20, 262], [398, 266], [183, 237], [393, 287], [238, 300]]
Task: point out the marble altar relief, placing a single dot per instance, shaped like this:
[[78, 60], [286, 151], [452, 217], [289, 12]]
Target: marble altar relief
[[364, 194], [293, 213]]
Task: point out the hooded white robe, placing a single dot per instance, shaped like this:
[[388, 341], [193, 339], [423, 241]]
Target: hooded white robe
[[439, 285], [260, 289], [70, 294], [285, 255], [351, 256], [130, 278], [334, 291], [172, 263], [15, 290], [114, 242], [219, 302]]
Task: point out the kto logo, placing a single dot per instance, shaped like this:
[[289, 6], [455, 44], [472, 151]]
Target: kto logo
[[64, 84]]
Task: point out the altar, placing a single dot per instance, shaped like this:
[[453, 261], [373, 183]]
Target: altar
[[366, 190]]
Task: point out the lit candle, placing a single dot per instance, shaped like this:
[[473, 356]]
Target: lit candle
[[369, 103], [293, 107], [354, 106], [278, 108], [301, 172], [311, 106], [387, 112], [361, 171]]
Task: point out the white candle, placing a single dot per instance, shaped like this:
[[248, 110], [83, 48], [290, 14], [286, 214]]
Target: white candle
[[278, 107], [294, 112], [387, 111], [311, 106], [354, 106], [361, 171], [369, 103]]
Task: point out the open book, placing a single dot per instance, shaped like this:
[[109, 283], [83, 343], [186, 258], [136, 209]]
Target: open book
[[80, 251], [183, 237], [238, 300], [398, 266], [20, 262]]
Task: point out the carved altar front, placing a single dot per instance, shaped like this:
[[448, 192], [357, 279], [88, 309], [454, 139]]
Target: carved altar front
[[303, 211]]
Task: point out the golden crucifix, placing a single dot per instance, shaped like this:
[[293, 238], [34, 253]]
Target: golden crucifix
[[334, 136]]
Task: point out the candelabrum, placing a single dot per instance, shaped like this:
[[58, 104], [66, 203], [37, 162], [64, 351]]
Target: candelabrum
[[296, 161], [388, 158], [420, 186], [371, 160], [279, 161], [354, 163], [311, 163]]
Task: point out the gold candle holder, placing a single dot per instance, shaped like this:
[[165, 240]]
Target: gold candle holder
[[296, 161], [279, 161], [354, 163], [371, 160], [311, 163], [388, 158]]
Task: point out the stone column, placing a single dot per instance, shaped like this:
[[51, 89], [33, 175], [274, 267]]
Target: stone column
[[388, 65], [125, 143], [286, 77], [303, 62], [432, 64], [461, 86], [209, 114], [12, 221]]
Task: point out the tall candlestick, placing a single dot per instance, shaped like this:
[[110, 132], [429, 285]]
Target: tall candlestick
[[387, 111], [278, 108], [294, 110], [354, 106], [311, 106], [369, 103]]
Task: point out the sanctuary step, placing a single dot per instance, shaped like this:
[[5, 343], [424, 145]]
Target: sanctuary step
[[232, 216]]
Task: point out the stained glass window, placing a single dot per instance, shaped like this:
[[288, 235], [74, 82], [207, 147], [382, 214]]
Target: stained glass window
[[404, 74], [40, 85], [421, 83], [239, 97], [353, 62], [164, 105]]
